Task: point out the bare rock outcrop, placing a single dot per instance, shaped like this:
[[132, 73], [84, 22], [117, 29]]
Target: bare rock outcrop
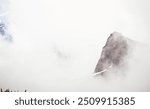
[[113, 53]]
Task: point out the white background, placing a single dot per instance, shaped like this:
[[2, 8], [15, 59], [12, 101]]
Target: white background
[[7, 100]]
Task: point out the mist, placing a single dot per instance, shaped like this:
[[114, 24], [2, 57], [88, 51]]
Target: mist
[[56, 45]]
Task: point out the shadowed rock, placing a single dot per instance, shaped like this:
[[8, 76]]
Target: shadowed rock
[[4, 33], [113, 53]]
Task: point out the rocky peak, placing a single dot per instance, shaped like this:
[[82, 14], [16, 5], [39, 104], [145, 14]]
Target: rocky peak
[[113, 53]]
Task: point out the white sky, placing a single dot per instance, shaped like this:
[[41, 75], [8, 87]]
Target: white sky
[[84, 18]]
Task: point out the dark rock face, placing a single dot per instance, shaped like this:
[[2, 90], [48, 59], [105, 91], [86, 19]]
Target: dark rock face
[[113, 53]]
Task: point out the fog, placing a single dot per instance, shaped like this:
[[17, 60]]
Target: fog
[[56, 44]]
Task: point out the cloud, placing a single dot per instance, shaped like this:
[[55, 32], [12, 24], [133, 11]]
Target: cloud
[[79, 30]]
